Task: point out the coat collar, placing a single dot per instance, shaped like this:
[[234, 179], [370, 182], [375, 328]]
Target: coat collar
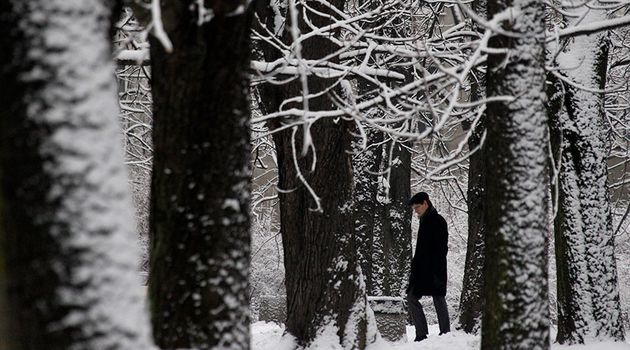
[[428, 213]]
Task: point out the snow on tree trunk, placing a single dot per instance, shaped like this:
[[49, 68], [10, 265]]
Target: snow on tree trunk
[[516, 314], [66, 215], [366, 164], [383, 227], [471, 300], [200, 216], [588, 295], [396, 226]]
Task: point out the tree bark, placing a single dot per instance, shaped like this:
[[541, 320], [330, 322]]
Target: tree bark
[[322, 275], [383, 229], [7, 332], [366, 164], [471, 300], [66, 222], [387, 250], [323, 279], [396, 226], [200, 219], [516, 314], [369, 211], [588, 295]]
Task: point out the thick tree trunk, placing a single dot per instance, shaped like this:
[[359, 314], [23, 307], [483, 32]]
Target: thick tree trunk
[[516, 314], [200, 246], [66, 216], [322, 275], [471, 300], [7, 332], [588, 295], [366, 164], [323, 280]]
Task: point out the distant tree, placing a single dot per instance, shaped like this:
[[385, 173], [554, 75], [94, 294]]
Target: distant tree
[[367, 213], [396, 216], [66, 227], [516, 313], [471, 300], [382, 215], [200, 220], [366, 162], [588, 295], [383, 173]]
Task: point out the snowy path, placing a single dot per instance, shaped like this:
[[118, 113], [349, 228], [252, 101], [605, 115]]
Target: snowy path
[[268, 336]]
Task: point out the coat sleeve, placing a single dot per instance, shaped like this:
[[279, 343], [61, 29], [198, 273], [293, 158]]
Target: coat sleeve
[[438, 239]]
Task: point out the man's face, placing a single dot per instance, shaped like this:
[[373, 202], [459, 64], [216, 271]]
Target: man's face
[[421, 208]]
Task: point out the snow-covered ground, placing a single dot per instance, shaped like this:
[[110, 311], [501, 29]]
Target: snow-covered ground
[[268, 336]]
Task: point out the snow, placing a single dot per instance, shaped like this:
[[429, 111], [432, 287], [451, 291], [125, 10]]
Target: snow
[[325, 70], [279, 8], [387, 305], [589, 27], [232, 203], [138, 56], [158, 28], [270, 336]]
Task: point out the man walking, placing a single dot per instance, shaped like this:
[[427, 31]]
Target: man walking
[[428, 266]]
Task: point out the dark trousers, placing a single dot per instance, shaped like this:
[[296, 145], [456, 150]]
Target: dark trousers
[[420, 321]]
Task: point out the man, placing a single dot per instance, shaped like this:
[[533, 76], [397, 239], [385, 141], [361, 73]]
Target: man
[[428, 266]]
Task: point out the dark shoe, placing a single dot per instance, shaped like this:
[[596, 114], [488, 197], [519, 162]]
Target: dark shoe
[[443, 333], [420, 338]]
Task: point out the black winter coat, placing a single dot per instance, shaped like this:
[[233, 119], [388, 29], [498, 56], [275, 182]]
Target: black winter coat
[[428, 266]]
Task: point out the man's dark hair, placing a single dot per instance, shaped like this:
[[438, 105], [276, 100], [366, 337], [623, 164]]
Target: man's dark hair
[[419, 198]]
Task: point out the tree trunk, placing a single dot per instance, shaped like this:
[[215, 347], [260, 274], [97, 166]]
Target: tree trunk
[[6, 323], [383, 229], [516, 314], [200, 220], [322, 275], [323, 280], [396, 229], [588, 295], [388, 249], [366, 164], [471, 300], [66, 222]]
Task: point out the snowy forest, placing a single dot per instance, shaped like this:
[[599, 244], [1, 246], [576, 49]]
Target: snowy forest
[[236, 174]]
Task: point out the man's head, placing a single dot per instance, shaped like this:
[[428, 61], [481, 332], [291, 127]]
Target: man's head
[[420, 203]]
